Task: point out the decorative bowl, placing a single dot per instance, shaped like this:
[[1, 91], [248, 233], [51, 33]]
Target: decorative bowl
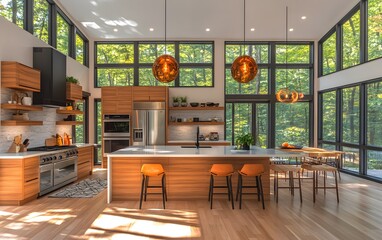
[[210, 104], [216, 104], [194, 104]]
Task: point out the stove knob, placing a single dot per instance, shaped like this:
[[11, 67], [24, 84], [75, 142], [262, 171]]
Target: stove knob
[[54, 158], [67, 154], [50, 158], [59, 157], [76, 151]]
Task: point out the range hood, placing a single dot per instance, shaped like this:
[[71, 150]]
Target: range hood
[[52, 65]]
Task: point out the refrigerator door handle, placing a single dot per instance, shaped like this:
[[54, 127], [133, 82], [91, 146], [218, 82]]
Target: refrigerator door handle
[[147, 128]]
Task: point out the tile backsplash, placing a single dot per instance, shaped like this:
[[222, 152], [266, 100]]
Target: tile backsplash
[[35, 134]]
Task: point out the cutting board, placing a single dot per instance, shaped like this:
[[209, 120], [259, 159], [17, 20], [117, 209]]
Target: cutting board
[[50, 142]]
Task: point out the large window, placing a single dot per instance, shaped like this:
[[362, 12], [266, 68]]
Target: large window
[[130, 63], [98, 129], [374, 37], [351, 40], [80, 49], [329, 54], [357, 110], [250, 107], [13, 10], [63, 34], [41, 20]]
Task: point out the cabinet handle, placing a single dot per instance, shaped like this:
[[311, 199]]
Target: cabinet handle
[[30, 180]]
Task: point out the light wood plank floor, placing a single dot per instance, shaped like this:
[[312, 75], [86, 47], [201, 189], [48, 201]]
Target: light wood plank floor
[[358, 216]]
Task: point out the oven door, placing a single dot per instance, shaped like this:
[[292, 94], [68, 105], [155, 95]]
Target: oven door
[[114, 144], [116, 128], [65, 170], [46, 177]]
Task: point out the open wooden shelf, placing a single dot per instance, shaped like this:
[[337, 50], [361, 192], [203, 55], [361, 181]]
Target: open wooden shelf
[[20, 107], [194, 123], [20, 123], [69, 123], [196, 108], [70, 112]]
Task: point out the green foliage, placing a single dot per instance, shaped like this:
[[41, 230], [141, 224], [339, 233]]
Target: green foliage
[[298, 79], [374, 114], [175, 99], [351, 42], [258, 52], [41, 20], [148, 52], [350, 115], [183, 99], [80, 49], [72, 79], [329, 116], [295, 53], [13, 11], [115, 77], [244, 140], [195, 53], [329, 55], [257, 86], [374, 40], [63, 29]]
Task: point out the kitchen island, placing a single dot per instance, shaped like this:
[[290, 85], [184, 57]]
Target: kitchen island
[[187, 169]]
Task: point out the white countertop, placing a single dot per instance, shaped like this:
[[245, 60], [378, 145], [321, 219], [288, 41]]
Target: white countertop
[[27, 154], [215, 151], [193, 141]]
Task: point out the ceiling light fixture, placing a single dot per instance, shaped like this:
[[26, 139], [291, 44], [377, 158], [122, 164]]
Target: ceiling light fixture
[[244, 69], [207, 29], [252, 29], [165, 68], [285, 95], [151, 29], [115, 30], [303, 17], [291, 29]]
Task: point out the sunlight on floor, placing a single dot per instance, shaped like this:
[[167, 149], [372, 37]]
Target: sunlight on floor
[[118, 223], [355, 185], [53, 216], [7, 214]]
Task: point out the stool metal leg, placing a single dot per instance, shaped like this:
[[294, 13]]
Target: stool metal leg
[[228, 187], [230, 190], [211, 191], [240, 189], [165, 186], [238, 186], [277, 187], [335, 177], [299, 185], [142, 189], [258, 188], [324, 182], [163, 193], [314, 186], [261, 191], [146, 184]]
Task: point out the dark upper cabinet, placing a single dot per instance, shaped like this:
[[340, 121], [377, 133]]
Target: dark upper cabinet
[[52, 65]]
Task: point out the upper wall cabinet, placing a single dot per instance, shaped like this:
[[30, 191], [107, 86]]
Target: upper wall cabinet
[[149, 93], [18, 76], [73, 91], [116, 100]]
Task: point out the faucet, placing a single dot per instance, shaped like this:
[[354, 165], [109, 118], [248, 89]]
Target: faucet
[[197, 138]]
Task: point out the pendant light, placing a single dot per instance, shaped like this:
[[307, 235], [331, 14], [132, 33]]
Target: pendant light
[[165, 67], [244, 69], [285, 95]]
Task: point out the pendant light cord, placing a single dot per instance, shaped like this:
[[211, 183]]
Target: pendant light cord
[[244, 28], [165, 26], [286, 45]]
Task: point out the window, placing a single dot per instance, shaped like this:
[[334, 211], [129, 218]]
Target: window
[[41, 20], [63, 34], [351, 40], [292, 123], [350, 115], [329, 54], [374, 163], [13, 10], [374, 114], [98, 129], [329, 116], [249, 107], [130, 63], [374, 37], [80, 49], [350, 160]]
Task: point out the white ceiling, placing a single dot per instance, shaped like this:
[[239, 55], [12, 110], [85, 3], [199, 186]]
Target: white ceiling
[[188, 19]]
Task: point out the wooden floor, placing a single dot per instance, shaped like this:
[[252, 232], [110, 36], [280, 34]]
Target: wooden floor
[[358, 216]]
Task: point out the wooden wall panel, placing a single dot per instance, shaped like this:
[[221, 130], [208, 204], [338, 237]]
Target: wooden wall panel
[[11, 179], [18, 76]]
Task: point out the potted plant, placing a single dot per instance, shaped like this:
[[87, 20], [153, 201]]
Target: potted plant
[[244, 141], [183, 101], [175, 101], [72, 79]]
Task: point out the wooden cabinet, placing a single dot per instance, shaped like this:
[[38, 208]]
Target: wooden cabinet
[[19, 180], [20, 77], [152, 94], [116, 100], [73, 91], [85, 161]]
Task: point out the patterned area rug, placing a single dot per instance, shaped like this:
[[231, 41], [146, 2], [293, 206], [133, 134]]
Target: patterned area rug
[[87, 188]]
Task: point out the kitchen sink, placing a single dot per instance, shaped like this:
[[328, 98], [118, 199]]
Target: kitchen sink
[[191, 146]]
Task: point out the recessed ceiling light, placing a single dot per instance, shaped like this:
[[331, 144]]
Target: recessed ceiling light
[[291, 29], [94, 3], [207, 29], [115, 30], [252, 29], [151, 29], [303, 17]]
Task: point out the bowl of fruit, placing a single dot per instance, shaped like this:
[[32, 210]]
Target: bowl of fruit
[[286, 145]]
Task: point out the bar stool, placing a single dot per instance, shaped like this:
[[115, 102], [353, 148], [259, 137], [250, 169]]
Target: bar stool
[[251, 170], [221, 170], [322, 168], [152, 170], [290, 169]]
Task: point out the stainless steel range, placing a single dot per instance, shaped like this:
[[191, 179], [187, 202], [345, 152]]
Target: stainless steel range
[[58, 167]]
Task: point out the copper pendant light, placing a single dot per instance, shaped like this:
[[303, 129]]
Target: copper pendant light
[[285, 95], [244, 69], [165, 67]]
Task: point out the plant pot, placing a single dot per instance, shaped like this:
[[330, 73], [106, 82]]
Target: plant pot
[[26, 101], [184, 104], [175, 104], [245, 147]]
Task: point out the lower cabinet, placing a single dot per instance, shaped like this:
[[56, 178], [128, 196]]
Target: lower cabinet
[[19, 180], [85, 161]]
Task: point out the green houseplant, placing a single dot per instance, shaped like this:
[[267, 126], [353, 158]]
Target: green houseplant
[[183, 101], [175, 101], [244, 141], [72, 79]]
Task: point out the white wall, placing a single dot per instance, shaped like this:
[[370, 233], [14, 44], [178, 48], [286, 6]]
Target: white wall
[[360, 73], [17, 44]]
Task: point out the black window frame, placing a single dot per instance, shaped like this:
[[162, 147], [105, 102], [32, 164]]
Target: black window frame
[[95, 119], [270, 98], [85, 99], [136, 65]]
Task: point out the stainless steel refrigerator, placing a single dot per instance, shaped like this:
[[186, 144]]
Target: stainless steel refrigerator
[[149, 123]]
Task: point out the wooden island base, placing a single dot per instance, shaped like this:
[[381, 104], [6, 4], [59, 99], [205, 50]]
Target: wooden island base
[[186, 177]]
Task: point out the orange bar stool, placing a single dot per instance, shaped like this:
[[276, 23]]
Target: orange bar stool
[[221, 170], [152, 170], [290, 169], [251, 170]]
